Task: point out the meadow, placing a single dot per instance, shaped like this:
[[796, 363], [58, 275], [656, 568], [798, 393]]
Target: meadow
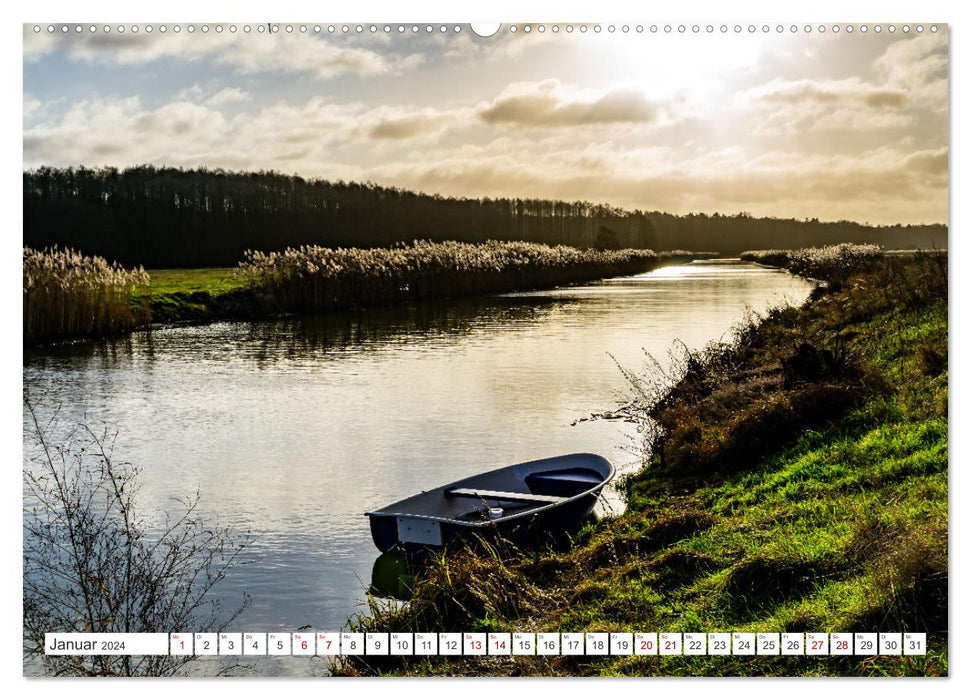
[[794, 479], [195, 294]]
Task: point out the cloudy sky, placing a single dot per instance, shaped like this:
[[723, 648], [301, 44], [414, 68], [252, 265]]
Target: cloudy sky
[[832, 126]]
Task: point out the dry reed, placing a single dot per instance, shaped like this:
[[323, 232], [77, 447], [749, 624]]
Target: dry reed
[[70, 295], [315, 278], [833, 263]]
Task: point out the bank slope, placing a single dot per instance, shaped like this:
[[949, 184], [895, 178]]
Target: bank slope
[[798, 482]]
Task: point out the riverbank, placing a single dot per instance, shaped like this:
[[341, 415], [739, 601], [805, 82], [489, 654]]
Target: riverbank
[[311, 280], [797, 482], [193, 295]]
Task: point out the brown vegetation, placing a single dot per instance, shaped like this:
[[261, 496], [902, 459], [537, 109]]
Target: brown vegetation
[[311, 278], [70, 295]]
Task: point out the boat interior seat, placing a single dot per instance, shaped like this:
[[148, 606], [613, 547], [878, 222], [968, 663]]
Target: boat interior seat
[[486, 494], [563, 482]]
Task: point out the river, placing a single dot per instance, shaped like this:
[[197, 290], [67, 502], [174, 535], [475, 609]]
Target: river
[[293, 428]]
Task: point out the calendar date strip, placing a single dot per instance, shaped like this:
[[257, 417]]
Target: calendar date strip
[[202, 644]]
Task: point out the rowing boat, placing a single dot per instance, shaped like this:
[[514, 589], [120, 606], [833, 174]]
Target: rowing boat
[[545, 495]]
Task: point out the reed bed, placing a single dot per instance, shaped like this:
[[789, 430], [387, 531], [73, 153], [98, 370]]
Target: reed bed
[[833, 263], [70, 295], [311, 278]]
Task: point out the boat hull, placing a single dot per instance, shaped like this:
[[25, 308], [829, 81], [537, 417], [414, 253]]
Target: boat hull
[[384, 529], [557, 494]]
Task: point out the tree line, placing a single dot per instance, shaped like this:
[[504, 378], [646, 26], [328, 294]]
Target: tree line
[[172, 217]]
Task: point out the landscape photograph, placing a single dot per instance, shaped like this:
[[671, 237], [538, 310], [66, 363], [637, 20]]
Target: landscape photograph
[[539, 334]]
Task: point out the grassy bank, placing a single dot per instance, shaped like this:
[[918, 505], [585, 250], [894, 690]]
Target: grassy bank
[[192, 294], [797, 481]]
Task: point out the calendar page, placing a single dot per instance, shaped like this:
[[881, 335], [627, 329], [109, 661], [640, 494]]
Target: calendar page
[[552, 349]]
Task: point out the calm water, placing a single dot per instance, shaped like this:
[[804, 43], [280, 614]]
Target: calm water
[[293, 429]]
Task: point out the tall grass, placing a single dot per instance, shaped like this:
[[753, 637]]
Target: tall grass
[[833, 263], [70, 295], [315, 278]]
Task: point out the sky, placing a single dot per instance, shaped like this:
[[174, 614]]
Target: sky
[[805, 125]]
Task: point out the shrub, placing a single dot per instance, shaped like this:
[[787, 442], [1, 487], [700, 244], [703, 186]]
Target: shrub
[[93, 563]]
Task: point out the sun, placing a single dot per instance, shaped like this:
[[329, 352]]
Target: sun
[[665, 64]]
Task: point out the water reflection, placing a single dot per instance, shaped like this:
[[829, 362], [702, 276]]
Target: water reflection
[[284, 340], [391, 576]]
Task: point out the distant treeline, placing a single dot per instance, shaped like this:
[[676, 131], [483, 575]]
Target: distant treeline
[[169, 217]]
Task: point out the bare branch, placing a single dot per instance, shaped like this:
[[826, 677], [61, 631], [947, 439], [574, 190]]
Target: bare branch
[[93, 563]]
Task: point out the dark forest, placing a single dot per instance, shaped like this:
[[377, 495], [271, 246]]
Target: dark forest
[[170, 217]]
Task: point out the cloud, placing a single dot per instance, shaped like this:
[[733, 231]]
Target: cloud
[[409, 125], [192, 130], [882, 186], [180, 120], [909, 77], [193, 93], [323, 57], [122, 131], [225, 96], [36, 45], [31, 106], [799, 106], [919, 67], [829, 92], [550, 104], [228, 96]]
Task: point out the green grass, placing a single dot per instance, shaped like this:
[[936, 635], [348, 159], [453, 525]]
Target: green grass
[[188, 294], [213, 280], [836, 525]]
